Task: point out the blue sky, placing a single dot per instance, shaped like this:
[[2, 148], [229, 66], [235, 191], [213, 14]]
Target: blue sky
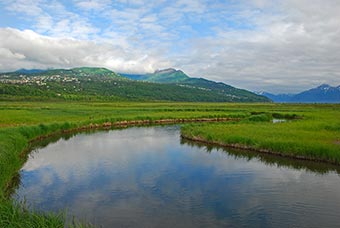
[[271, 45]]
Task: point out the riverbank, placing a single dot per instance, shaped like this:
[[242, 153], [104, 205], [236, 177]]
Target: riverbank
[[255, 149], [316, 137]]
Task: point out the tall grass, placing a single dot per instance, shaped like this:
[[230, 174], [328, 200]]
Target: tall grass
[[316, 136], [15, 215]]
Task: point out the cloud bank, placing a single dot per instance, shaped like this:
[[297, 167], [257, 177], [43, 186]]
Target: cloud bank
[[27, 49], [272, 45]]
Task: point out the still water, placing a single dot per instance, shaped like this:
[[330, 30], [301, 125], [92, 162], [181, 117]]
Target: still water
[[149, 177]]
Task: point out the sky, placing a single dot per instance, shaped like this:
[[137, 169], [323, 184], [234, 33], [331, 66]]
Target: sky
[[279, 46]]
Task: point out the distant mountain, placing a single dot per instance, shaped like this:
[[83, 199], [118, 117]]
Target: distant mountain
[[32, 71], [137, 77], [321, 94], [278, 97], [89, 83], [178, 77]]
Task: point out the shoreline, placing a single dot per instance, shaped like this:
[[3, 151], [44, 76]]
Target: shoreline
[[130, 123], [105, 126], [256, 150]]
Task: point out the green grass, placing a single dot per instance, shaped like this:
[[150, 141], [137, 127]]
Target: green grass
[[314, 132], [18, 216], [316, 136], [33, 113]]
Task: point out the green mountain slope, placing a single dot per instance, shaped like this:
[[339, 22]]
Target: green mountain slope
[[224, 90], [160, 76], [51, 75], [102, 84], [90, 72], [178, 77], [167, 76]]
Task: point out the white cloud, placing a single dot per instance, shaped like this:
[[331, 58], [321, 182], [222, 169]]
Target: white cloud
[[92, 4], [29, 7], [31, 50], [291, 50]]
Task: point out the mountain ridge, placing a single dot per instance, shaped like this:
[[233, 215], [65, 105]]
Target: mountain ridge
[[178, 77], [168, 75], [77, 83], [323, 93]]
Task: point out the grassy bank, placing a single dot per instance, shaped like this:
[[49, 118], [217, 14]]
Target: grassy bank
[[16, 216], [316, 135]]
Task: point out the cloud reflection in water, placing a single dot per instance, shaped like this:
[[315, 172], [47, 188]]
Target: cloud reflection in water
[[144, 177]]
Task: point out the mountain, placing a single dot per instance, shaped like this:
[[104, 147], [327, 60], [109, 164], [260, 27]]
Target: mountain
[[169, 75], [85, 72], [89, 83], [32, 71], [178, 77], [321, 94]]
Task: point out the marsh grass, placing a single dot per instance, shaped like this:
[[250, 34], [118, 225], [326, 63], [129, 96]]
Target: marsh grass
[[14, 215], [313, 135]]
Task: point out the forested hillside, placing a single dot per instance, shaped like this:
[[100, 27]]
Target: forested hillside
[[102, 84]]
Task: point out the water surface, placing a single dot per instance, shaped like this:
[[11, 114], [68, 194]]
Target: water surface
[[148, 177]]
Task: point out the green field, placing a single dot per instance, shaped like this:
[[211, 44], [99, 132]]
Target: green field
[[311, 131]]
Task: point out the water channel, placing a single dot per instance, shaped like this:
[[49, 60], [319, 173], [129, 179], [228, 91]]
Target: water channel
[[149, 177]]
